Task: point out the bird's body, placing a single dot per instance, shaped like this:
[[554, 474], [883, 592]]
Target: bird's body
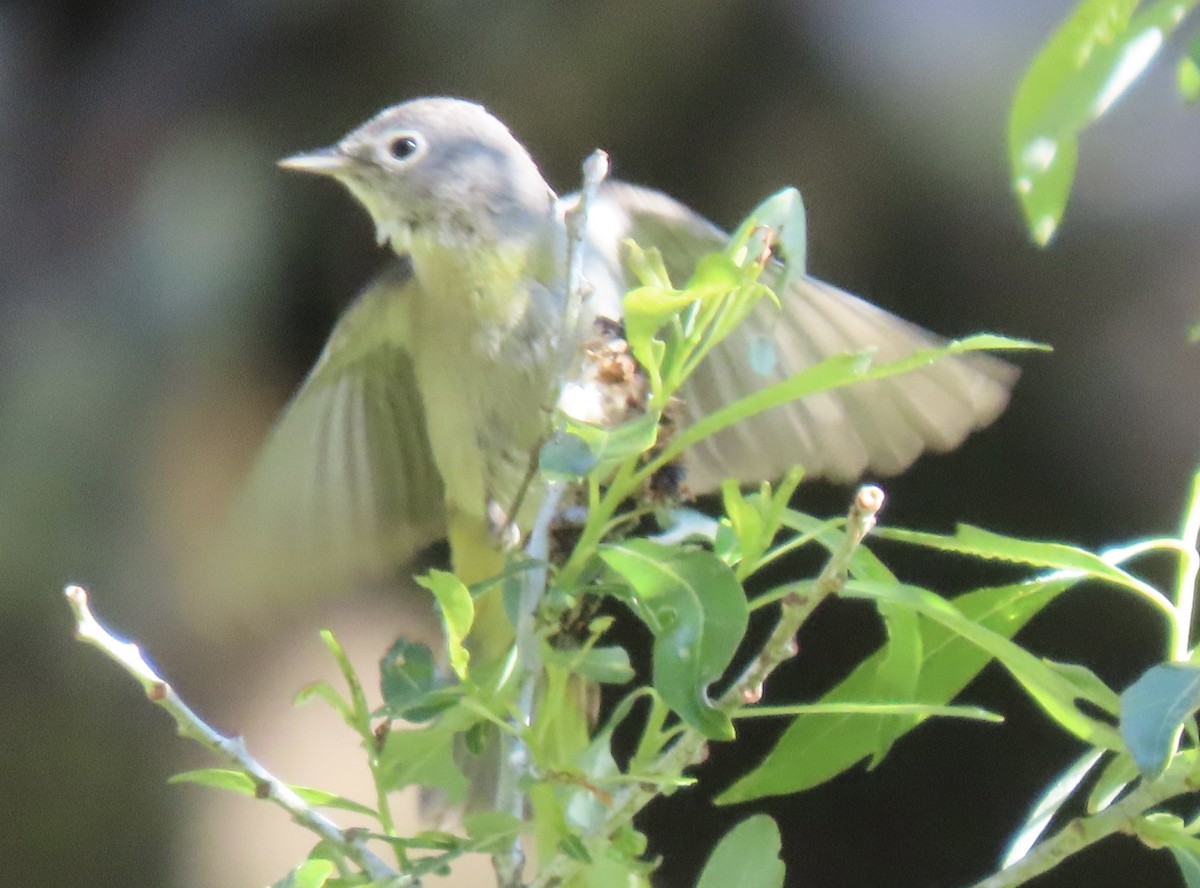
[[423, 413]]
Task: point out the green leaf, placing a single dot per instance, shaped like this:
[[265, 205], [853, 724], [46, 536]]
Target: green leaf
[[407, 675], [572, 846], [1187, 77], [1090, 61], [863, 563], [782, 213], [490, 831], [323, 690], [1090, 685], [1114, 777], [310, 874], [1153, 710], [697, 611], [219, 778], [1048, 805], [424, 757], [566, 455], [647, 309], [816, 748], [747, 856], [1187, 858], [355, 711], [832, 373], [1189, 71], [242, 783], [412, 685], [320, 798], [609, 446], [899, 674], [746, 523], [646, 265], [969, 540], [755, 520], [1055, 694], [458, 613], [1159, 829], [605, 665]]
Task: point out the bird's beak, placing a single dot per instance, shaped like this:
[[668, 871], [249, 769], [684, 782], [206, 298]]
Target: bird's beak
[[323, 162]]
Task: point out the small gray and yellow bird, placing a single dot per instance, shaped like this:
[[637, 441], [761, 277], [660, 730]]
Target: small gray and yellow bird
[[438, 382]]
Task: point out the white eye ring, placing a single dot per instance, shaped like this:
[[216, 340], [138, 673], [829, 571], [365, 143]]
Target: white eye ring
[[404, 147]]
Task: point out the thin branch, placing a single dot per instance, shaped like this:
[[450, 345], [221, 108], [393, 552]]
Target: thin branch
[[514, 752], [691, 747], [1078, 834], [595, 171], [1189, 571], [798, 607], [232, 749]]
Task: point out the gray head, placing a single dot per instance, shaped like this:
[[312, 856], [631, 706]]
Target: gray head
[[441, 169]]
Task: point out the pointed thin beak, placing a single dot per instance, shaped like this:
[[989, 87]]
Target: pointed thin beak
[[323, 162]]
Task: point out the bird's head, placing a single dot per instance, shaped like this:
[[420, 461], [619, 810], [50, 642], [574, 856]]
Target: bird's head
[[438, 170]]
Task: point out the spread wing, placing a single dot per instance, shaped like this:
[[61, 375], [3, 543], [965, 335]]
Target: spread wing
[[344, 491], [878, 426]]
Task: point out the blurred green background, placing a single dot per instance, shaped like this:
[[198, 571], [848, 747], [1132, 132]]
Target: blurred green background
[[163, 288]]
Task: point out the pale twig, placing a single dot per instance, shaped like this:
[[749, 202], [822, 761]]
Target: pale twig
[[798, 606], [691, 747], [1179, 778], [514, 752], [595, 171], [232, 749]]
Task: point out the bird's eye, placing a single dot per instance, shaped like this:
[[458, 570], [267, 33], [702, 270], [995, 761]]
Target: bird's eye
[[403, 147]]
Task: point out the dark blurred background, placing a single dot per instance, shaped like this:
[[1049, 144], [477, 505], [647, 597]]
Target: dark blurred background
[[163, 288]]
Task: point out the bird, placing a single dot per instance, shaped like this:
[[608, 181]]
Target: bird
[[438, 382]]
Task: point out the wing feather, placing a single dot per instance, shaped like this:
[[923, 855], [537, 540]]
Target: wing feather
[[344, 491], [877, 426]]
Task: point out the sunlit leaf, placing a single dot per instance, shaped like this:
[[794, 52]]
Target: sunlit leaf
[[612, 445], [605, 665], [697, 611], [974, 541], [323, 690], [1055, 694], [1114, 777], [424, 757], [747, 856], [646, 310], [490, 831], [816, 748], [832, 373], [219, 778], [243, 784], [1160, 829], [1187, 77], [755, 520], [898, 675], [1187, 858], [458, 613], [310, 874], [1091, 686], [784, 220], [1048, 805], [1085, 67]]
